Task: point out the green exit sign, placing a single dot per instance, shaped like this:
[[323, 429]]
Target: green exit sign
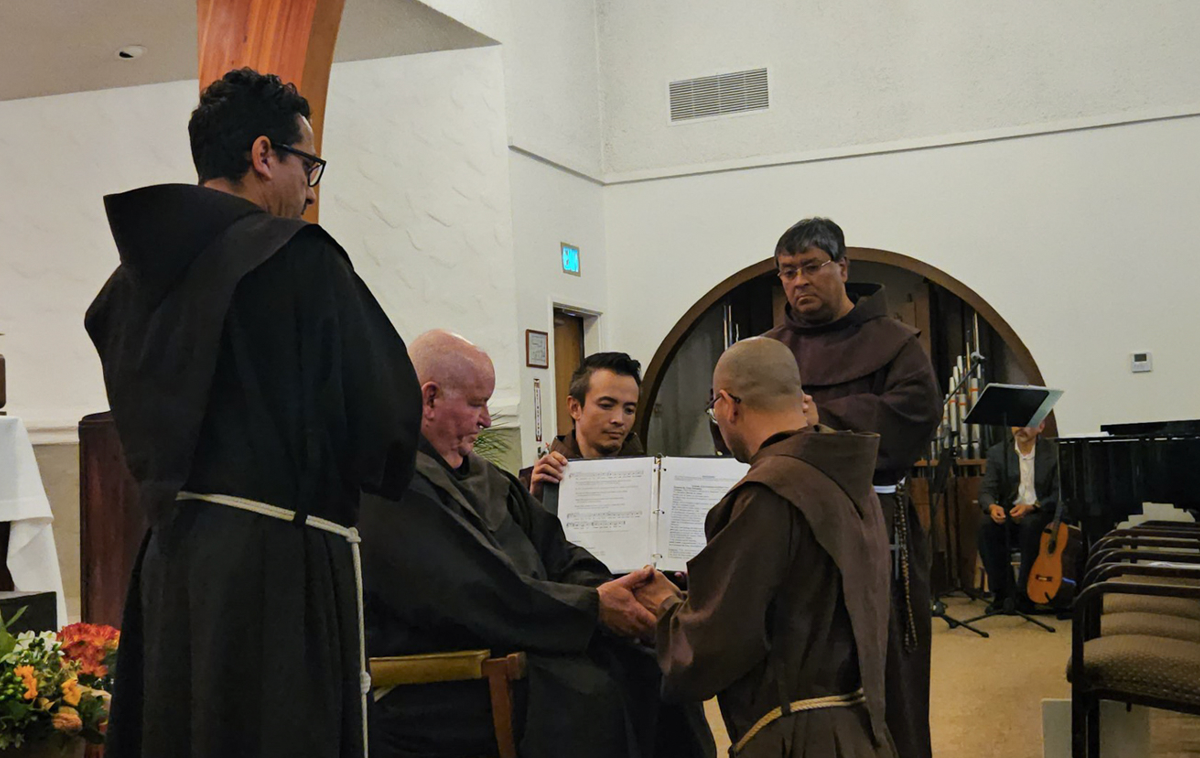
[[570, 259]]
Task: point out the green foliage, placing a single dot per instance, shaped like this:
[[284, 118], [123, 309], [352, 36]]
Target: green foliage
[[493, 446], [7, 641]]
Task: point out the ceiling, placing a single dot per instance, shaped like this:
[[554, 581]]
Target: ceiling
[[49, 47]]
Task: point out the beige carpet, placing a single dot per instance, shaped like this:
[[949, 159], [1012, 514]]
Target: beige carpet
[[986, 694]]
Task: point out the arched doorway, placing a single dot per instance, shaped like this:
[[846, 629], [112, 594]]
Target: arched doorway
[[1016, 360]]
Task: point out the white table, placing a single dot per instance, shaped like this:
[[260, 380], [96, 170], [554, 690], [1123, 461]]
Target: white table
[[32, 557]]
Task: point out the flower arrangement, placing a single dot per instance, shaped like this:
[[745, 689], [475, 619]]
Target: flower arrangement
[[55, 687]]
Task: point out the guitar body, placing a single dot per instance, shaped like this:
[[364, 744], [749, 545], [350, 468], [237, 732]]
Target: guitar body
[[1052, 577]]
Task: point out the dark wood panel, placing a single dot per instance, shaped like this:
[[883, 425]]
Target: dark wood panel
[[111, 524], [966, 525], [952, 526]]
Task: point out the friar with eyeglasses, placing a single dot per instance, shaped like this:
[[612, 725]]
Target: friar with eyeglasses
[[866, 372], [258, 389]]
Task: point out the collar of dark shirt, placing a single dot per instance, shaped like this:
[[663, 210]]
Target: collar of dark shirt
[[460, 473]]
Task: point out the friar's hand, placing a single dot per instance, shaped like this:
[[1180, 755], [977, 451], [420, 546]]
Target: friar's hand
[[810, 411], [548, 469], [620, 610], [656, 592], [997, 513]]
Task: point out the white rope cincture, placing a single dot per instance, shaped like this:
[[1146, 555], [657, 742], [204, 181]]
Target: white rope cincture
[[888, 489], [348, 533], [799, 706]]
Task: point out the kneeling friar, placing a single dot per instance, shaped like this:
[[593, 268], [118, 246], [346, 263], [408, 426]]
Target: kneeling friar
[[786, 616]]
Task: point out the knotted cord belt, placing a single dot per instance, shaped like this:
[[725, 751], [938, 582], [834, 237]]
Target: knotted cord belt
[[902, 547], [350, 534], [910, 622], [812, 704]]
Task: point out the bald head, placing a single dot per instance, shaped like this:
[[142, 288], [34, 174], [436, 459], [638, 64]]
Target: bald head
[[763, 373], [450, 361], [457, 379]]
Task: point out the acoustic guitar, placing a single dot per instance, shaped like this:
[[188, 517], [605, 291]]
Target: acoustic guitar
[[1052, 577]]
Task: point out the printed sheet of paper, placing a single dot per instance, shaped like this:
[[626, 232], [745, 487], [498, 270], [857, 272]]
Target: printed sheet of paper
[[690, 487], [605, 506]]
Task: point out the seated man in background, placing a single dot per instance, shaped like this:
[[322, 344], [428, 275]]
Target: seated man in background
[[603, 400], [1019, 494], [468, 559], [786, 617]]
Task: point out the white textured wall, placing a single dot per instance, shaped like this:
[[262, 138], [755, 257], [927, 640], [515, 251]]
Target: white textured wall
[[490, 17], [550, 207], [553, 81], [60, 155], [417, 191], [849, 73], [1084, 242]]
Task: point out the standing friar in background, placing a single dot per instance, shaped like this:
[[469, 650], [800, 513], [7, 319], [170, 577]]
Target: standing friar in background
[[257, 388], [866, 372]]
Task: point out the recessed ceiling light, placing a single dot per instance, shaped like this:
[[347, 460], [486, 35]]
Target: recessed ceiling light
[[129, 52]]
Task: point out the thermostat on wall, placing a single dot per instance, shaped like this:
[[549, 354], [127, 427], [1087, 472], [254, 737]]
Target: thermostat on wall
[[1141, 363], [570, 259]]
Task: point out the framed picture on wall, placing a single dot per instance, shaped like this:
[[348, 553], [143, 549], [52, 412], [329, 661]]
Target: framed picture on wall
[[537, 349]]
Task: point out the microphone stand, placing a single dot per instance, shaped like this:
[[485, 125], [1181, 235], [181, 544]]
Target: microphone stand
[[937, 488]]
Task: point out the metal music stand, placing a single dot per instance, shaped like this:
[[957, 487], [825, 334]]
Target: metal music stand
[[1010, 405], [937, 491]]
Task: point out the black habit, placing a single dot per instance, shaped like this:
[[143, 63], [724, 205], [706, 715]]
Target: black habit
[[868, 373], [242, 356], [468, 559]]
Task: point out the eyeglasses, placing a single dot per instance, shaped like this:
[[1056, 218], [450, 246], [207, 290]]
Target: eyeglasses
[[808, 269], [316, 166], [712, 414]]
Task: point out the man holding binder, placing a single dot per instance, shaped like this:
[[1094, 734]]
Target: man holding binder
[[602, 400]]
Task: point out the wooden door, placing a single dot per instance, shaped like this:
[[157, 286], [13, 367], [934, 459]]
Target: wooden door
[[568, 354]]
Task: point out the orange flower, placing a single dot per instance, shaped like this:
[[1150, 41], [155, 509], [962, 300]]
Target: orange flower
[[29, 680], [89, 645], [71, 692], [67, 720]]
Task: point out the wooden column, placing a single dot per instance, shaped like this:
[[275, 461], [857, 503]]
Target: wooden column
[[111, 521], [293, 39]]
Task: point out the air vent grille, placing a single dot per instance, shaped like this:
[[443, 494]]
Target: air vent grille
[[708, 96]]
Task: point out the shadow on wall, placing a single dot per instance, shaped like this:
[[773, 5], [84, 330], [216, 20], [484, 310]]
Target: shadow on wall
[[59, 467]]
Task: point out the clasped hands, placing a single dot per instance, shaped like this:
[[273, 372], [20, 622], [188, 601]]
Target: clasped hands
[[628, 606], [1018, 512]]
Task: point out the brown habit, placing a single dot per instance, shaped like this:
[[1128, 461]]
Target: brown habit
[[789, 601], [867, 373]]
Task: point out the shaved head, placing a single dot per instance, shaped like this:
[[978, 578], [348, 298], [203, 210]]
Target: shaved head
[[762, 372], [448, 359], [457, 380]]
